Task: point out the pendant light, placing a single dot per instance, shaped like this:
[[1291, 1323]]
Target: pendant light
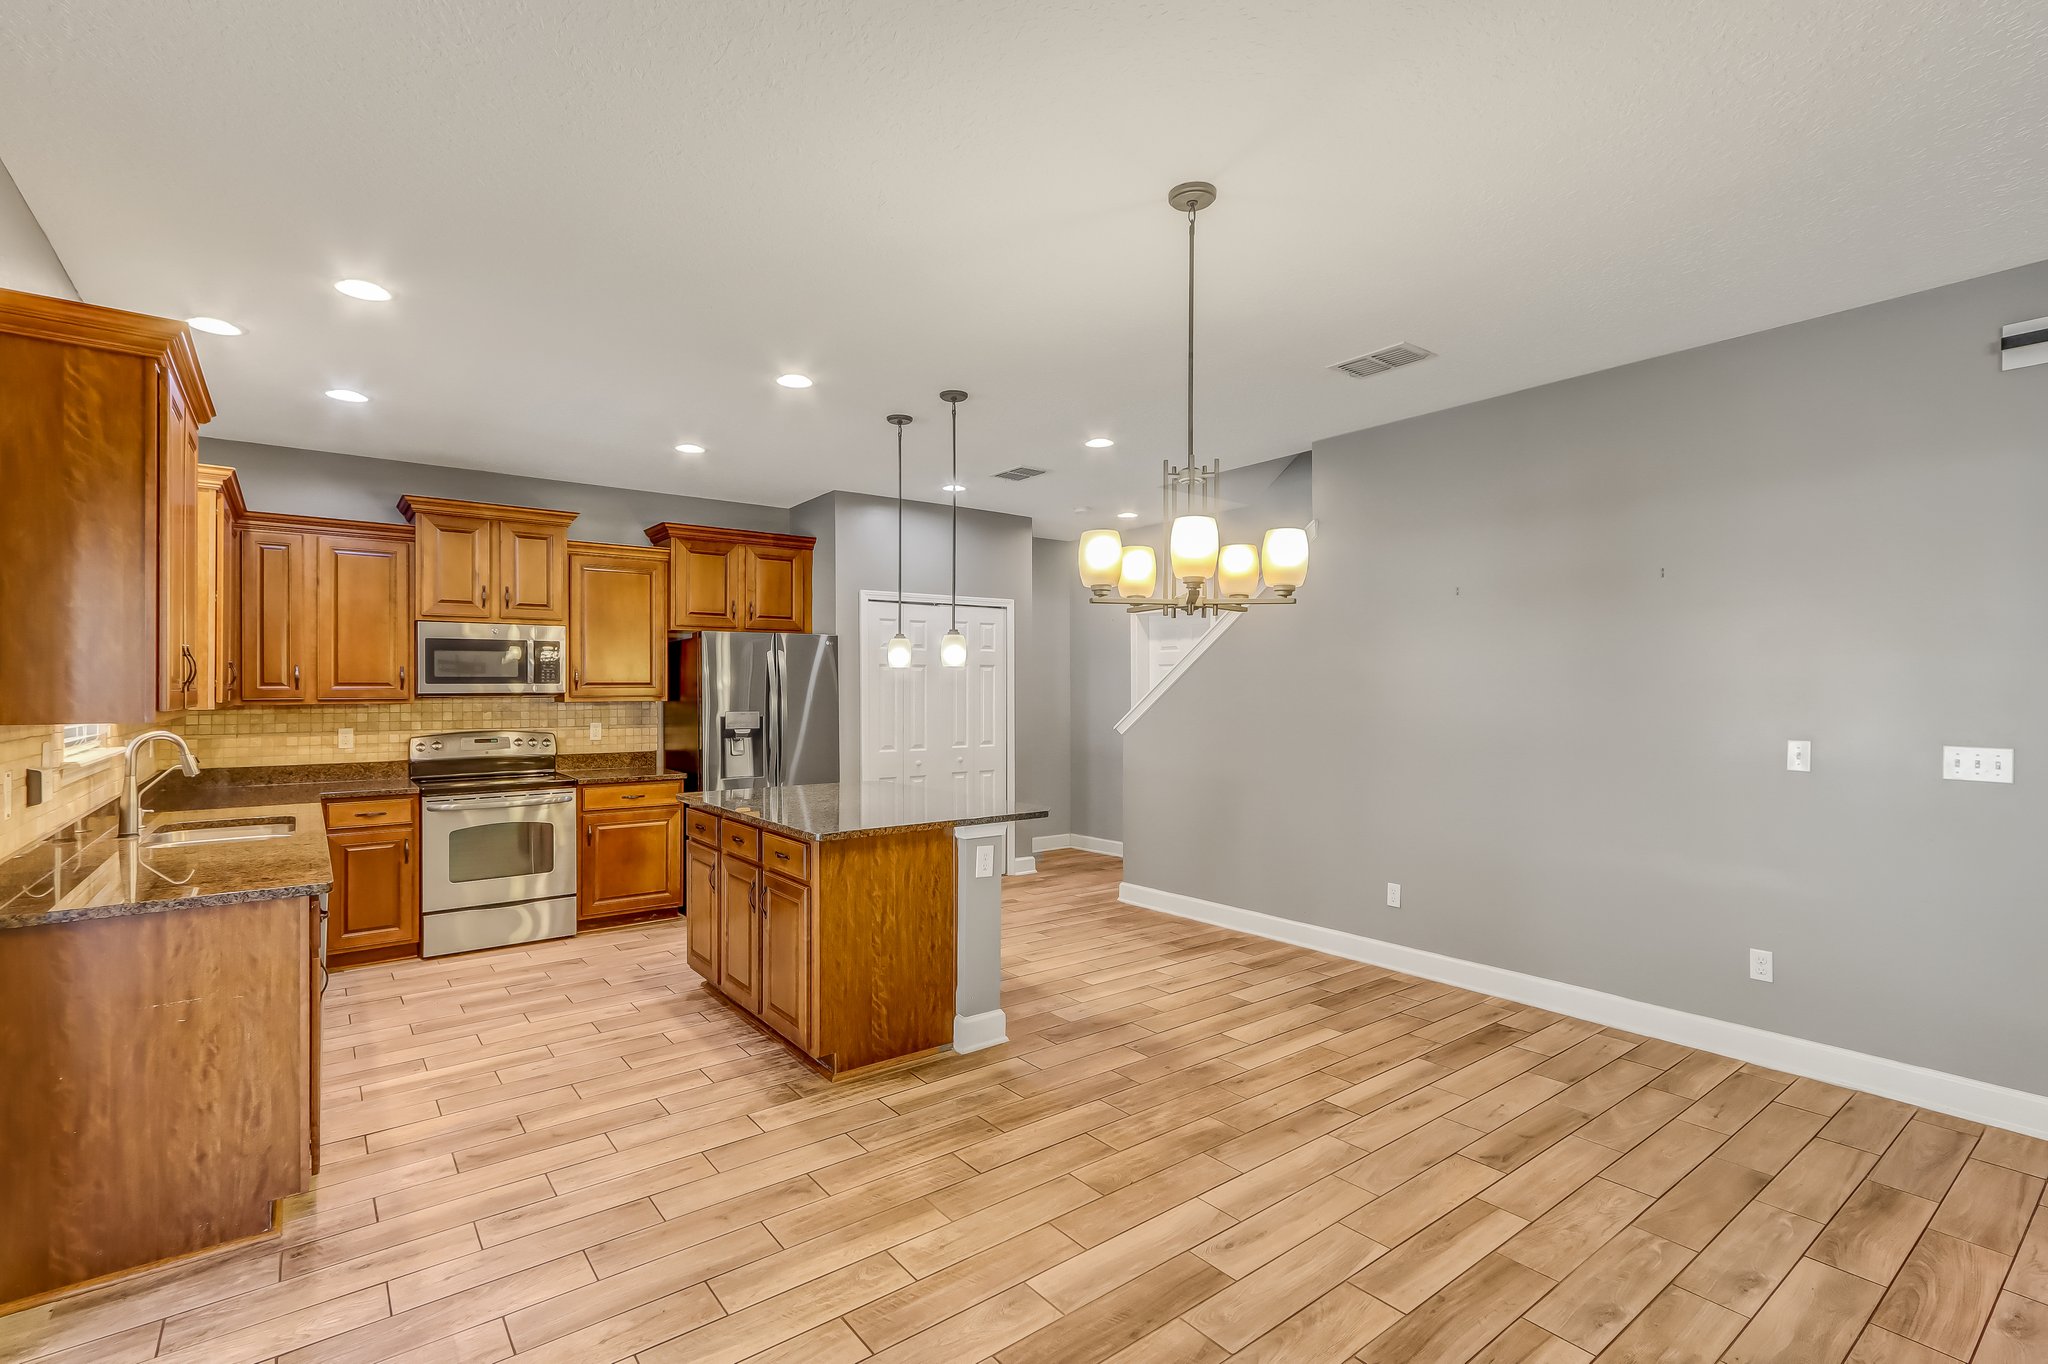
[[898, 649], [953, 648], [1207, 576]]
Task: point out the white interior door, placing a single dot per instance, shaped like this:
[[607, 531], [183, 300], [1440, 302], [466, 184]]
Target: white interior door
[[927, 724]]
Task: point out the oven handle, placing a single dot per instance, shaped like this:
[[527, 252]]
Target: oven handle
[[500, 802]]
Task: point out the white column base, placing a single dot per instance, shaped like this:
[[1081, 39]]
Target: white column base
[[979, 1032]]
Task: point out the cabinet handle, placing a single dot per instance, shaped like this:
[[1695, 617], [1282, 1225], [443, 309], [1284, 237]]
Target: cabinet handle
[[401, 677], [636, 795], [232, 669], [479, 592], [295, 676], [781, 856], [371, 814], [191, 668], [508, 596], [589, 831], [405, 850]]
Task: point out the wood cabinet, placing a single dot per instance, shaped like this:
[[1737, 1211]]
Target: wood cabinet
[[99, 416], [485, 561], [844, 948], [721, 579], [216, 595], [618, 623], [631, 860], [375, 902], [326, 611]]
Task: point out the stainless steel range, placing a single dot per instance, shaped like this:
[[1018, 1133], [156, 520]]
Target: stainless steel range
[[498, 840]]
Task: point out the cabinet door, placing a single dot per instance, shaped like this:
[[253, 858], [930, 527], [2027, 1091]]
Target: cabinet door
[[376, 897], [277, 617], [632, 860], [739, 933], [775, 592], [454, 554], [362, 609], [786, 957], [700, 905], [227, 604], [618, 627], [705, 577], [213, 617], [532, 573], [177, 536]]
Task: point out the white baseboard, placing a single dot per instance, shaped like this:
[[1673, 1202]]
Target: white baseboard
[[1024, 866], [1108, 847], [1959, 1095], [979, 1032]]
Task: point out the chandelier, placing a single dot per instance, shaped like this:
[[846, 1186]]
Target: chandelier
[[1208, 578]]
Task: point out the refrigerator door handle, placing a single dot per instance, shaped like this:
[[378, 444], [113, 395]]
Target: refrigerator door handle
[[774, 763]]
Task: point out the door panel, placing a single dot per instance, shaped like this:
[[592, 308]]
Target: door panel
[[706, 585], [739, 937], [700, 906], [277, 617], [177, 545], [533, 573], [786, 957], [362, 602], [618, 627], [776, 588], [376, 896], [632, 861], [455, 566]]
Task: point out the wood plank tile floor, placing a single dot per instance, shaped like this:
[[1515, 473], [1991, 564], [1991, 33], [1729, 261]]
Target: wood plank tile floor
[[1195, 1146]]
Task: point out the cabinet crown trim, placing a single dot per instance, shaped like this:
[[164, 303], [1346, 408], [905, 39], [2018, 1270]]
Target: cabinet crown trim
[[221, 479], [592, 549], [327, 525], [111, 329], [663, 532], [410, 506]]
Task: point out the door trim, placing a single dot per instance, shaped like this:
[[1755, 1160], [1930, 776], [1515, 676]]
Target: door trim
[[1013, 862]]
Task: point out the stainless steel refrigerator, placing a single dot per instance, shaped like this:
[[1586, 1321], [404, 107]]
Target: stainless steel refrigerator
[[749, 709]]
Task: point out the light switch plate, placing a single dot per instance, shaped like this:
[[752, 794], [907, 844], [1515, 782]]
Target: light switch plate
[[984, 859], [344, 738], [1977, 764], [1799, 755], [597, 729]]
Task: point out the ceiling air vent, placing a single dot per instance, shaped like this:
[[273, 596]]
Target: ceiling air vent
[[1020, 473], [1384, 359]]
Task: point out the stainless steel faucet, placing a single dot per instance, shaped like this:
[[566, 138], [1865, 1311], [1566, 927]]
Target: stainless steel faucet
[[131, 797]]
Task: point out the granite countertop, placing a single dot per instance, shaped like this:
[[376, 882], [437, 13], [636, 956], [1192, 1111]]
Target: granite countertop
[[612, 769], [851, 809], [311, 783]]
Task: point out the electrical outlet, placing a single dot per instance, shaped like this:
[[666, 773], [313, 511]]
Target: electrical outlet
[[597, 729], [1393, 895], [1799, 755], [1759, 964], [985, 859], [1976, 764], [6, 793], [344, 738]]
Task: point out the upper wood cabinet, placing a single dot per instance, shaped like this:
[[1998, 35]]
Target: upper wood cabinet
[[99, 419], [618, 623], [722, 579], [326, 609], [484, 561], [216, 584]]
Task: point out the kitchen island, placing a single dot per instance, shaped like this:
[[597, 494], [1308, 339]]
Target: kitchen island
[[858, 921]]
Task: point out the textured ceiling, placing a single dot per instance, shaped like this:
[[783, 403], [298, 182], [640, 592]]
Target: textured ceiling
[[610, 225]]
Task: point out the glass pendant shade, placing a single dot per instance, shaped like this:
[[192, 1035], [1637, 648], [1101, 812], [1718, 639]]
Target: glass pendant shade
[[1286, 559], [1193, 547], [899, 652], [1237, 571], [1140, 573], [1102, 559], [953, 650]]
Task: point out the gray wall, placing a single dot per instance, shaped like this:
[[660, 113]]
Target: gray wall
[[1044, 688], [278, 478], [1552, 647], [1100, 678], [27, 261]]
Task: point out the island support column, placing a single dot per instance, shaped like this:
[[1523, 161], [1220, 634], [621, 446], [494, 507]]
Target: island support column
[[978, 1021]]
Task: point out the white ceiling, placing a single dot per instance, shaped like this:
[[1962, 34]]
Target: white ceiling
[[611, 225]]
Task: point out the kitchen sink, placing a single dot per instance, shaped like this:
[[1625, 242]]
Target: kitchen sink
[[238, 832]]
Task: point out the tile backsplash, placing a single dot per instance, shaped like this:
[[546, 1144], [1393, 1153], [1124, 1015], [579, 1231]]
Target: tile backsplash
[[266, 736]]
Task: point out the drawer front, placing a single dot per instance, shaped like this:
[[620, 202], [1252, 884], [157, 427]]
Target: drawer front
[[703, 827], [343, 815], [636, 796], [741, 840], [790, 856]]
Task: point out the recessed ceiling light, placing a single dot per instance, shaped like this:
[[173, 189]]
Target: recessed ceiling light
[[953, 488], [1126, 516], [363, 289], [794, 381], [1079, 510], [688, 449], [213, 325], [1099, 443], [346, 395]]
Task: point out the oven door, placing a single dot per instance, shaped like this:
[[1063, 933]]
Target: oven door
[[496, 849], [484, 660]]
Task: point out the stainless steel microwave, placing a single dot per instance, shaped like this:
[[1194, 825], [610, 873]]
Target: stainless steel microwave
[[459, 659]]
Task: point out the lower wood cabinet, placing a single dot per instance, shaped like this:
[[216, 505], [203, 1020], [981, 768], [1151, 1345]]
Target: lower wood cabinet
[[845, 948], [375, 903], [631, 858]]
